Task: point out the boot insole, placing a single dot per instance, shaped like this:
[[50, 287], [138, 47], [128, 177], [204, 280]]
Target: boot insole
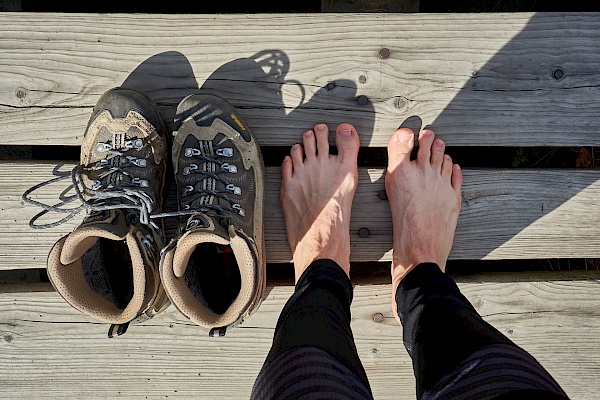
[[213, 276], [108, 271]]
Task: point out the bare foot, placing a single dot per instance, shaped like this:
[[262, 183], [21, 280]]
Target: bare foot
[[425, 200], [316, 195]]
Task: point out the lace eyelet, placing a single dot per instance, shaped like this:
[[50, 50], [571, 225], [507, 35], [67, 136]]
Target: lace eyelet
[[134, 144], [225, 152], [234, 189], [102, 147], [140, 162], [239, 209], [190, 152], [232, 169], [188, 170], [141, 182]]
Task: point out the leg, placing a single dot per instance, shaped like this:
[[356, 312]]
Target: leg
[[313, 348], [454, 350]]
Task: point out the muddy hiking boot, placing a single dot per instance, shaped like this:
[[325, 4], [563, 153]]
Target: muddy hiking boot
[[214, 269], [108, 266]]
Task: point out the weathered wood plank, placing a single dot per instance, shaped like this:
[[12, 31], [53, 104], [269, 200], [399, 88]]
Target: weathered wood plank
[[477, 79], [506, 214], [49, 350]]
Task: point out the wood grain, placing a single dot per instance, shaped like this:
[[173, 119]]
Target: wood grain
[[476, 79], [505, 214], [49, 350]]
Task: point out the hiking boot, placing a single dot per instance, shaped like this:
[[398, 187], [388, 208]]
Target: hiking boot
[[214, 270], [108, 266]]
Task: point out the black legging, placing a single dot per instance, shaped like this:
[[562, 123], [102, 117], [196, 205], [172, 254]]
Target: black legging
[[455, 353]]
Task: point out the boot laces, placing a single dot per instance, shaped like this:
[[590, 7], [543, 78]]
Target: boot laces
[[106, 193], [200, 196]]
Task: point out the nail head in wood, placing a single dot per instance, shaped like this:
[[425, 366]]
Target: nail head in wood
[[378, 317], [363, 100], [382, 194], [363, 232], [558, 73], [384, 53]]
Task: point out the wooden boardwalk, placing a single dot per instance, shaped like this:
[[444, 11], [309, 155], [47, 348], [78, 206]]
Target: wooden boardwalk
[[478, 80], [50, 350]]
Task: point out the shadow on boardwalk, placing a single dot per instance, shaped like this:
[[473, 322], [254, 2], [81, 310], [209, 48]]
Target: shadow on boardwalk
[[540, 89]]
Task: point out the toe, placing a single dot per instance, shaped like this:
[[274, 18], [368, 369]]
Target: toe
[[446, 166], [437, 154], [310, 144], [347, 142], [425, 142], [457, 177], [287, 168], [400, 147], [322, 133], [297, 154]]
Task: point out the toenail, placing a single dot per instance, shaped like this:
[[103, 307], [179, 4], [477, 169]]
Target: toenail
[[308, 133], [345, 132], [321, 127], [403, 137], [438, 142], [295, 146]]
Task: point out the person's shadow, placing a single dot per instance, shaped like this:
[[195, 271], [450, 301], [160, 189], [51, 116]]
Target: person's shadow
[[278, 111]]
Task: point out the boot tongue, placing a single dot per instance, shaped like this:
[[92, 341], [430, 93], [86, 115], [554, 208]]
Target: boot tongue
[[200, 222], [200, 228], [110, 224], [113, 221]]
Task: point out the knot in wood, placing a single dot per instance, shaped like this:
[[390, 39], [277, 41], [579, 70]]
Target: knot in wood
[[20, 93]]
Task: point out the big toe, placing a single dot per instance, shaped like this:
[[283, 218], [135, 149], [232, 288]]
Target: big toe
[[347, 142], [400, 147]]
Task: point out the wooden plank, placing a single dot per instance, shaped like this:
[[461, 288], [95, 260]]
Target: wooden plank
[[49, 350], [476, 79], [506, 214]]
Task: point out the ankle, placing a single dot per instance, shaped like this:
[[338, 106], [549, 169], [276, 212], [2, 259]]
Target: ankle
[[340, 256], [401, 266]]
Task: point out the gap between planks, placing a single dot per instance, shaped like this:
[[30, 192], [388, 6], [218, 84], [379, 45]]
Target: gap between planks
[[505, 214]]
